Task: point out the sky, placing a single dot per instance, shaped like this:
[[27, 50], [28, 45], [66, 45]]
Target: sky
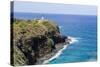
[[52, 8]]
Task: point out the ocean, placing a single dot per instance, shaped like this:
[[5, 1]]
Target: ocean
[[83, 28]]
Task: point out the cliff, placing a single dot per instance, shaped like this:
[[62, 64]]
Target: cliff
[[33, 39]]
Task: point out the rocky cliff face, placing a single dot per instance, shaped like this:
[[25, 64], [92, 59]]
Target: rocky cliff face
[[33, 39]]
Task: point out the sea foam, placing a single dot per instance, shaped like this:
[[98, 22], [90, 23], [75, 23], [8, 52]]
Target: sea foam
[[73, 40]]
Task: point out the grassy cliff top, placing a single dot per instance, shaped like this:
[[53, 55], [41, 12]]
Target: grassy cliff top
[[33, 28], [23, 31]]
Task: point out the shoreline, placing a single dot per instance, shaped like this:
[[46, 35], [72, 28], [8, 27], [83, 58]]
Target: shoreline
[[55, 53]]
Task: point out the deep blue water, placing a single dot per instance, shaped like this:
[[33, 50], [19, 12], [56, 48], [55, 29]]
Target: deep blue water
[[82, 27]]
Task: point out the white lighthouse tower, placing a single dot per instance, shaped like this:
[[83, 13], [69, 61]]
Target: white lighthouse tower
[[42, 18]]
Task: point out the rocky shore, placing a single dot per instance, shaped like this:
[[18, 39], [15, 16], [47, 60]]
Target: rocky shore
[[54, 54], [35, 41]]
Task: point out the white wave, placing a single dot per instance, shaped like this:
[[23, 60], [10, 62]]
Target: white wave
[[60, 27], [56, 55], [73, 40]]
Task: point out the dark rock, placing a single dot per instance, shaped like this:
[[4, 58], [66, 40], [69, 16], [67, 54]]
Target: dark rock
[[35, 40]]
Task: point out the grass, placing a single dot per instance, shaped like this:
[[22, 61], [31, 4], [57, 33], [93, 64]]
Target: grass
[[24, 30]]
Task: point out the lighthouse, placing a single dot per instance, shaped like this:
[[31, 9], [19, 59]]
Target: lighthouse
[[42, 18]]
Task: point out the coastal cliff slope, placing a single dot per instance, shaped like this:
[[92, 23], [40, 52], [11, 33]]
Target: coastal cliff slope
[[33, 39]]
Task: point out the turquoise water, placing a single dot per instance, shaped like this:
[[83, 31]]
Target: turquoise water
[[83, 28]]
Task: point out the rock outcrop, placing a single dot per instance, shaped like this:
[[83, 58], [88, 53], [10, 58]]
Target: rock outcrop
[[33, 39]]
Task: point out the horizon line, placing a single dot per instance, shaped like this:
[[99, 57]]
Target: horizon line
[[55, 13]]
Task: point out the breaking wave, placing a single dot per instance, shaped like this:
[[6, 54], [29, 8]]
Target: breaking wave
[[73, 40]]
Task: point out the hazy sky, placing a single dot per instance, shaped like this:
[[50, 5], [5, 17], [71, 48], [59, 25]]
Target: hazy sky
[[34, 7]]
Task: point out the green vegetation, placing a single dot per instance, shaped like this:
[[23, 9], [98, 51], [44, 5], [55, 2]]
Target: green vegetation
[[32, 40]]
